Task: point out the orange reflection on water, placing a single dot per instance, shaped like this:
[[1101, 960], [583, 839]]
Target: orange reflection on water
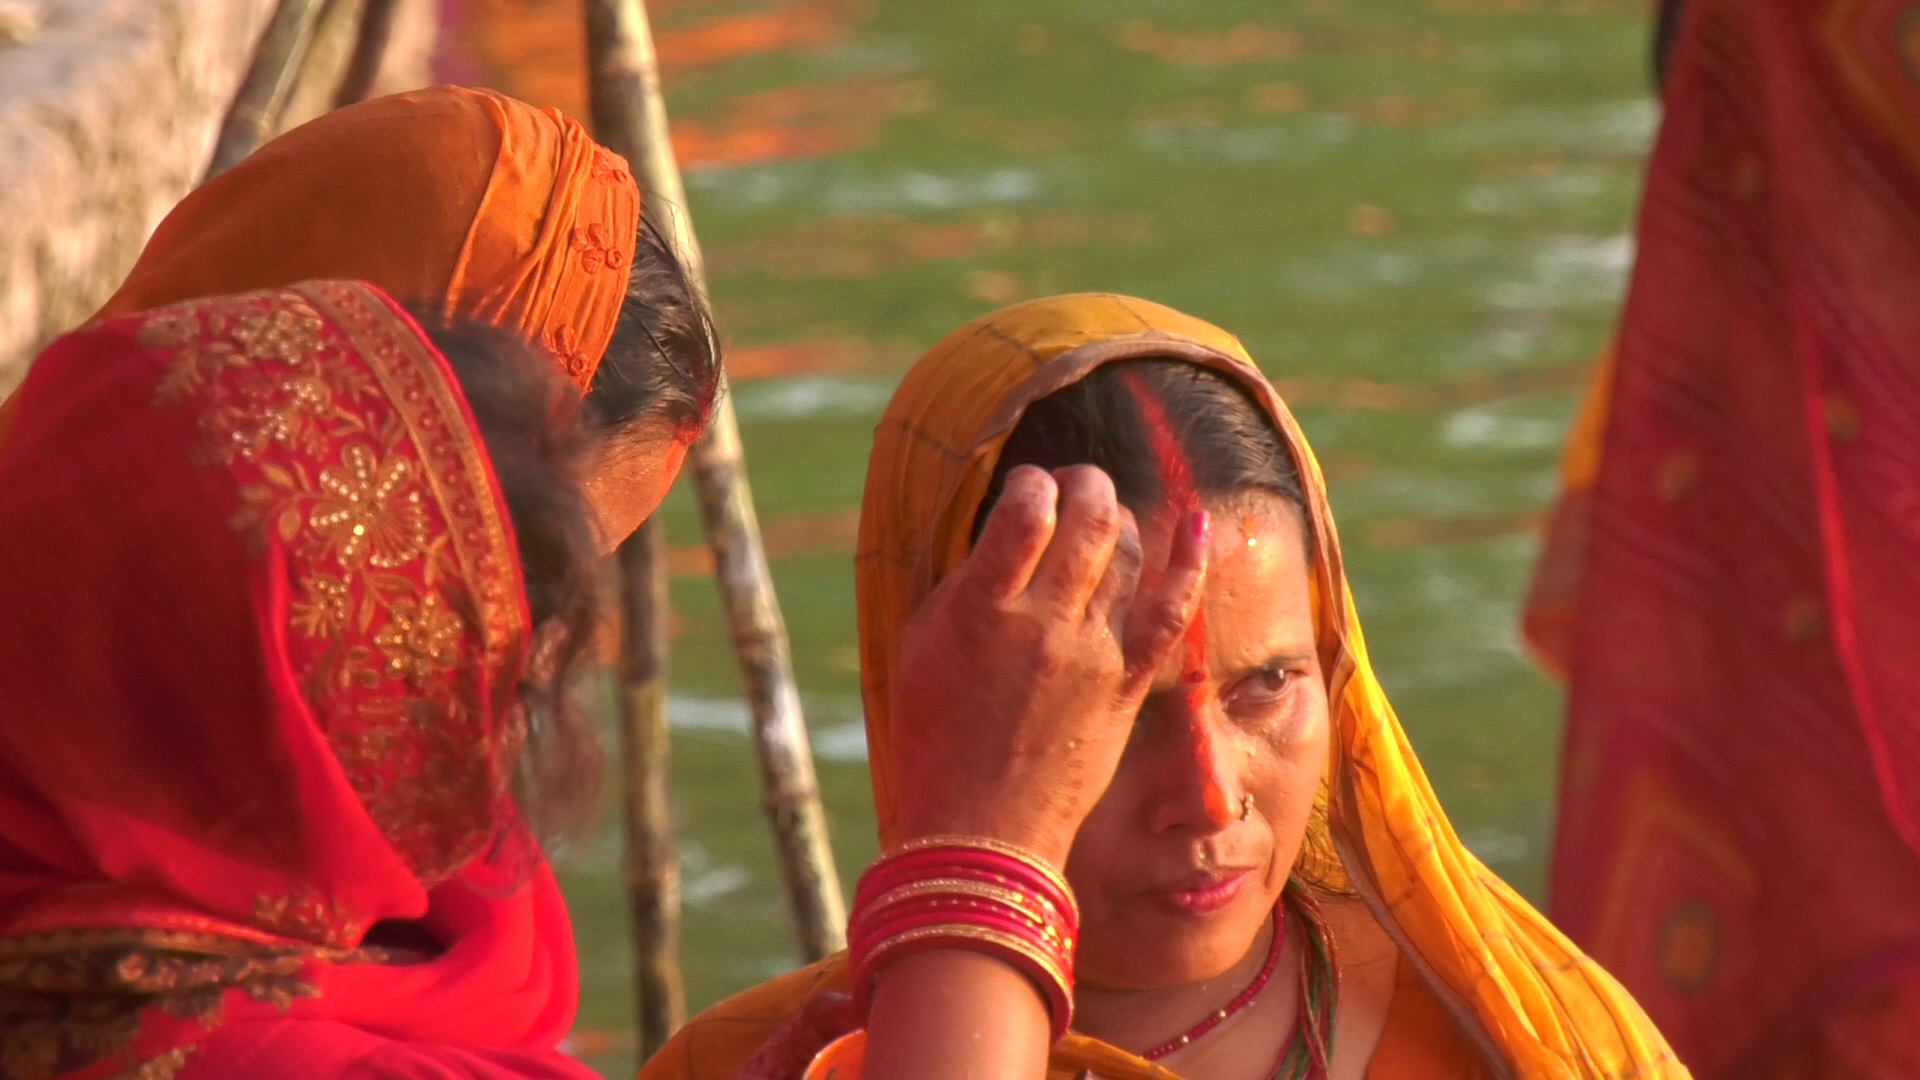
[[822, 356], [1405, 110], [799, 122], [1247, 41], [731, 37], [536, 50], [853, 247]]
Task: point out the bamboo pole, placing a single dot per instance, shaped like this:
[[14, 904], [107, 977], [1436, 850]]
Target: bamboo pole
[[255, 114], [627, 79], [652, 865], [369, 50]]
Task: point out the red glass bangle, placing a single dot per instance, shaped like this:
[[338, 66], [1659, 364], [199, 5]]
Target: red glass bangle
[[962, 893], [1043, 970]]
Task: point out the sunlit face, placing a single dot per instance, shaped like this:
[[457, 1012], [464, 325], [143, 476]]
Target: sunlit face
[[1185, 856], [630, 475]]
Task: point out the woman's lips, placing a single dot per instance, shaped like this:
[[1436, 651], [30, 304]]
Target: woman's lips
[[1204, 893]]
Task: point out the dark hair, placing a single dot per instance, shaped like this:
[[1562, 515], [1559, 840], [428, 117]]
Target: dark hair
[[663, 361], [526, 421], [1229, 444]]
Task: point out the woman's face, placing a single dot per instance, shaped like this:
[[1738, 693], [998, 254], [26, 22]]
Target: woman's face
[[630, 474], [1184, 858]]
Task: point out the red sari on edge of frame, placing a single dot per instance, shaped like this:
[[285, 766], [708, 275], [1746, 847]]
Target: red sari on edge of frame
[[1730, 583]]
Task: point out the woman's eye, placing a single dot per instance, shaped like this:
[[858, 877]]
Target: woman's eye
[[1265, 686]]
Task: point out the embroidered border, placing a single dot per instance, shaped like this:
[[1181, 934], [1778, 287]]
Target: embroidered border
[[352, 450]]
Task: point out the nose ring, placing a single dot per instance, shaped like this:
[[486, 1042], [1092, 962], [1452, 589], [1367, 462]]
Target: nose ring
[[1246, 806]]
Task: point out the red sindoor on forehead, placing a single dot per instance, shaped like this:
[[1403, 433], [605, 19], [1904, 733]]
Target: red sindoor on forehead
[[1180, 501]]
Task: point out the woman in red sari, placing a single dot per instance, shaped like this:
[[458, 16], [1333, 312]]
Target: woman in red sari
[[1730, 587], [271, 567]]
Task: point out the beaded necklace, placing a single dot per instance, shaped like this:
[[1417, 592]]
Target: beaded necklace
[[1307, 1050]]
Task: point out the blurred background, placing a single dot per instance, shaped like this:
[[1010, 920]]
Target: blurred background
[[1415, 213]]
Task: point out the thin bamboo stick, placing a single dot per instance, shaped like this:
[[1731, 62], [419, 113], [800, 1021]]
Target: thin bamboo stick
[[330, 49], [627, 79], [652, 865], [255, 114], [363, 70]]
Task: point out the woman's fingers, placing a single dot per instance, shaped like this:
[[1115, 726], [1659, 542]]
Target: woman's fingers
[[1115, 595], [1160, 618], [1076, 560], [1018, 530]]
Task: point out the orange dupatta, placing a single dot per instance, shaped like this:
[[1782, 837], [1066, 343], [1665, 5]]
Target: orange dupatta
[[265, 625], [1530, 1001]]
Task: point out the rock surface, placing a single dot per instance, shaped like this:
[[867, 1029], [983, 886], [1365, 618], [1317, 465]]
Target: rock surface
[[108, 111]]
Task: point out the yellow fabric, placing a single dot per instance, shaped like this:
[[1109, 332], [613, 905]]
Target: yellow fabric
[[1517, 988]]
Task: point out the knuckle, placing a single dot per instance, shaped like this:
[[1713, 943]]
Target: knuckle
[[1102, 514], [1167, 617], [1020, 516]]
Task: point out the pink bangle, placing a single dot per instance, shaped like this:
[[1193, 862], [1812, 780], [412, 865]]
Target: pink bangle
[[973, 894]]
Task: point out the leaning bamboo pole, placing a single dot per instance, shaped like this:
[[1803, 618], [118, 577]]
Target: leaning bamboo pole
[[791, 793], [652, 864], [257, 108], [369, 50]]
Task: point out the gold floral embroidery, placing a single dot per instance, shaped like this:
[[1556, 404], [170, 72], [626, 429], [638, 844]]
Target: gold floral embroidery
[[419, 641], [161, 1067], [352, 452], [74, 998], [368, 509], [309, 916], [325, 606]]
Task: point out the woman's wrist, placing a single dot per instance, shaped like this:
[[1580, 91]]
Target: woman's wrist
[[1029, 830], [971, 894]]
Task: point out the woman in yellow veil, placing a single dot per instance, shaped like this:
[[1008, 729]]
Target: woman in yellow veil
[[1467, 980]]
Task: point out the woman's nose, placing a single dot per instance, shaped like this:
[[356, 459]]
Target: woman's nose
[[1200, 790]]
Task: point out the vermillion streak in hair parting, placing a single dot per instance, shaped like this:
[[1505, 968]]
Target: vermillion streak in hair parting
[[1181, 501]]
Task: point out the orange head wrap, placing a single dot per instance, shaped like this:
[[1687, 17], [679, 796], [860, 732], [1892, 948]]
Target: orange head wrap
[[446, 196]]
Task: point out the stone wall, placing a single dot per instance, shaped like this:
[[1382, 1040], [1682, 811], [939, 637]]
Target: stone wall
[[108, 111]]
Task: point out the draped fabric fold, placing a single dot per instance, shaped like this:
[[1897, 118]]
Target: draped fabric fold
[[1729, 586], [264, 630], [1531, 1002]]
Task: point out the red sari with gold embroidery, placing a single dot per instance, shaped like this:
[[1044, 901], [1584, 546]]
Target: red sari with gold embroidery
[[261, 623], [1731, 584]]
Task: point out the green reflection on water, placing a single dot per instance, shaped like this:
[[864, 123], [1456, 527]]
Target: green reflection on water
[[1419, 194]]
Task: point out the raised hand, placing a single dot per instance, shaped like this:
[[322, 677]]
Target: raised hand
[[1018, 680]]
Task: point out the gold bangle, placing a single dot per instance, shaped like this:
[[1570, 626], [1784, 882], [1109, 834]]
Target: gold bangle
[[1014, 898]]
